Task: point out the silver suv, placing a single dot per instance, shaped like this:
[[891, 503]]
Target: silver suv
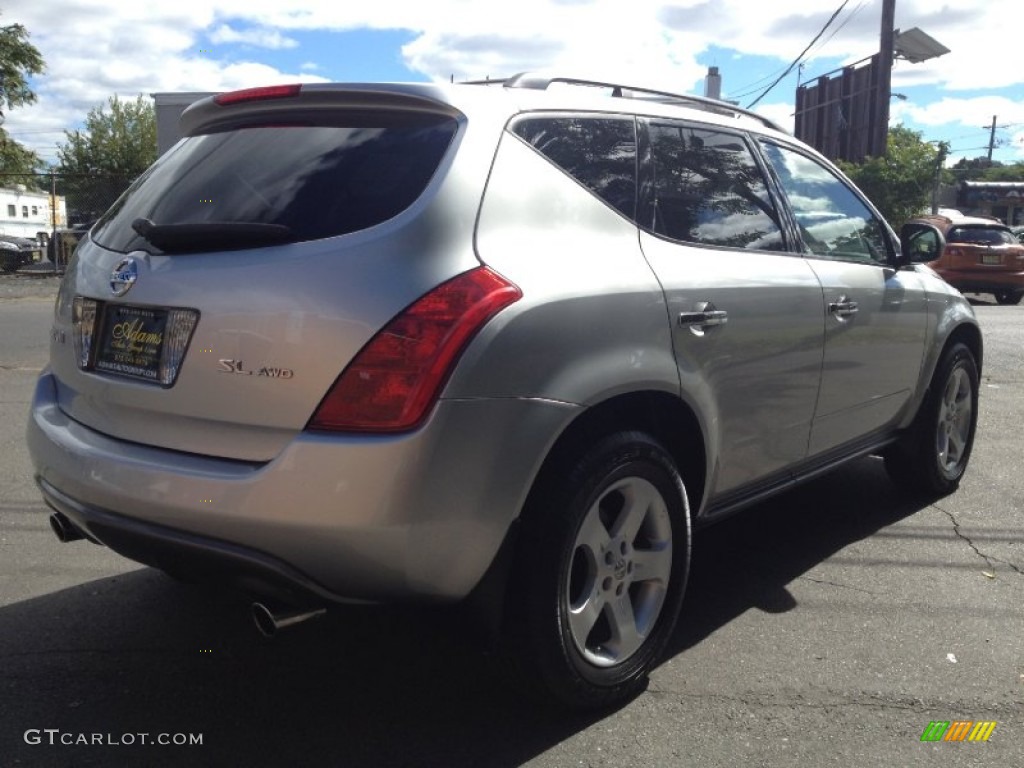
[[497, 343]]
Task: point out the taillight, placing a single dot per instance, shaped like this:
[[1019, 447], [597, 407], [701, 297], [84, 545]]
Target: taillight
[[394, 381], [263, 93], [953, 252]]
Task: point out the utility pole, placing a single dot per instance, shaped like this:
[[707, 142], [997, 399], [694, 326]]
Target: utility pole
[[940, 159], [886, 46], [992, 139]]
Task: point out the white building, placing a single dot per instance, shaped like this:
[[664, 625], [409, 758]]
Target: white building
[[169, 107], [24, 213]]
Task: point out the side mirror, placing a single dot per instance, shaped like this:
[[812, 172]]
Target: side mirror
[[920, 243]]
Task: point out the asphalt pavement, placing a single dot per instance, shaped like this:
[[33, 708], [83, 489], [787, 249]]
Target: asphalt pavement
[[828, 627]]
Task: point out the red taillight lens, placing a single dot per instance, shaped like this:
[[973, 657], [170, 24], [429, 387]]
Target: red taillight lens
[[257, 94], [395, 379]]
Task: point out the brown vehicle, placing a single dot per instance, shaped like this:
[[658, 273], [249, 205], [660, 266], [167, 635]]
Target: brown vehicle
[[981, 255]]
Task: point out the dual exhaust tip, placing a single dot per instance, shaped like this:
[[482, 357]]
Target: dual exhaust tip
[[64, 529], [269, 621]]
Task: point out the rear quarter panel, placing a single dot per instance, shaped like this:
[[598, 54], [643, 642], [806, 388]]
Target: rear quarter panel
[[592, 322]]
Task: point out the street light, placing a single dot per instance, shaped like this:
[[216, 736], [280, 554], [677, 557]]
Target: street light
[[916, 46], [912, 45]]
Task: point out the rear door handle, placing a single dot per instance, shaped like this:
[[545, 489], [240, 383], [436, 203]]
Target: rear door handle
[[843, 308], [705, 316]]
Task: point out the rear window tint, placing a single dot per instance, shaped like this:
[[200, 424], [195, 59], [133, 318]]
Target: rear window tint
[[317, 180], [981, 236], [598, 152]]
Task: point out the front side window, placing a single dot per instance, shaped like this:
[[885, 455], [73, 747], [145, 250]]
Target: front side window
[[599, 152], [834, 222], [704, 186]]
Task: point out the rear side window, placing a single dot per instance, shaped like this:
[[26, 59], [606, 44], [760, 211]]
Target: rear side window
[[310, 181], [980, 236], [598, 152], [704, 186]]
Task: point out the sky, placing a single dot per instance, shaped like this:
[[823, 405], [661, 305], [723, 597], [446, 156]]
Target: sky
[[98, 48]]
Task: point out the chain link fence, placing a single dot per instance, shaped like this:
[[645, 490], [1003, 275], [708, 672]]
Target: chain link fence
[[44, 215]]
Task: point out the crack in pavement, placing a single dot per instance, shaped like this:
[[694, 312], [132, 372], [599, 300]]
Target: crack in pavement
[[835, 699], [836, 584], [989, 559]]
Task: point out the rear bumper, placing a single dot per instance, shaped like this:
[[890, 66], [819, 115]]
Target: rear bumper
[[980, 281], [352, 518], [187, 553]]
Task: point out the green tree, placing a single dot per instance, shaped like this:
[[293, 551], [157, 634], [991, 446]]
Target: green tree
[[118, 142], [98, 162], [1014, 172], [18, 160], [19, 60], [900, 184], [973, 168]]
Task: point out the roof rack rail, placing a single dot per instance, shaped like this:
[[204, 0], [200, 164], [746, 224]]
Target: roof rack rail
[[541, 82]]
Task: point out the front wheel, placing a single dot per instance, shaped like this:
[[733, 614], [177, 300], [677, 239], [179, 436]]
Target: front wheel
[[1009, 297], [9, 261], [601, 572], [933, 456]]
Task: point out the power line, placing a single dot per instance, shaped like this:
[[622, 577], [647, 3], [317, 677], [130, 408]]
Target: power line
[[839, 29], [827, 40], [753, 87], [799, 58]]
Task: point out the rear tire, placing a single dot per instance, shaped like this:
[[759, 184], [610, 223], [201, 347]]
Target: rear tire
[[933, 456], [1009, 297], [600, 573]]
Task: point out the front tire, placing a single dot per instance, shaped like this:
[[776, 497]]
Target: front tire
[[601, 573], [1007, 298], [933, 456]]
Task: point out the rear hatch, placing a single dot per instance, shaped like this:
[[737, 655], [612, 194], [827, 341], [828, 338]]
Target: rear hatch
[[983, 248], [215, 304]]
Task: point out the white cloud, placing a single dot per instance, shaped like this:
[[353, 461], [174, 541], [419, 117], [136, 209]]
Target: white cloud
[[97, 48], [262, 38], [975, 112], [781, 114]]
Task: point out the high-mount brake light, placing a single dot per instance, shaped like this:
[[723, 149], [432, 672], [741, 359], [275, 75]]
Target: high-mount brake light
[[394, 381], [263, 93]]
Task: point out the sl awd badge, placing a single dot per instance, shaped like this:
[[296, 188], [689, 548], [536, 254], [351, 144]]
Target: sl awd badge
[[238, 368]]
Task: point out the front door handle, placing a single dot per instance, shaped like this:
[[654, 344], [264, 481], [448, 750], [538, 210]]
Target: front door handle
[[843, 308], [705, 316]]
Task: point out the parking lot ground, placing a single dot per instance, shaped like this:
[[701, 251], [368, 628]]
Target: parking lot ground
[[828, 627]]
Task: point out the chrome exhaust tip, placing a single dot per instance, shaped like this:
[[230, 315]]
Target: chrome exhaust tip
[[64, 529], [269, 622]]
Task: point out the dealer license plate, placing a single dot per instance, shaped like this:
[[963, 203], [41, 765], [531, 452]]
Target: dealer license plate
[[132, 341]]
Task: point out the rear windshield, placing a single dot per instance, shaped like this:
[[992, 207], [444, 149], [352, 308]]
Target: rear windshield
[[980, 235], [310, 181]]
